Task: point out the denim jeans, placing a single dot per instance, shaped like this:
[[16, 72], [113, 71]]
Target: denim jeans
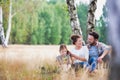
[[93, 56], [93, 63]]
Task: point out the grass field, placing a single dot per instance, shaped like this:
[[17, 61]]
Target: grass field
[[29, 62]]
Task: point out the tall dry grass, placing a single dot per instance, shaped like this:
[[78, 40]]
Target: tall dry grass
[[25, 62], [18, 70]]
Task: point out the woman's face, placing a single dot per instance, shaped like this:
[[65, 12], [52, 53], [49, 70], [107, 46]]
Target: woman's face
[[78, 43]]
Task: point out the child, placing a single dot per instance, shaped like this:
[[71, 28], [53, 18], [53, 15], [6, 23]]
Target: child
[[64, 59]]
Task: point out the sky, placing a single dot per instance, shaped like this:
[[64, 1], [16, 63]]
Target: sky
[[100, 4]]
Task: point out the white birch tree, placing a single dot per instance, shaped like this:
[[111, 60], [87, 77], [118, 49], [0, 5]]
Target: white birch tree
[[2, 36], [11, 15], [9, 23], [73, 17], [91, 16]]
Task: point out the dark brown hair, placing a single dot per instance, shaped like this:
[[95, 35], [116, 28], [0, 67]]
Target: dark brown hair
[[74, 38], [62, 46], [94, 34]]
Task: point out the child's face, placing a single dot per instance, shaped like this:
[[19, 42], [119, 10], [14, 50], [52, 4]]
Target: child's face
[[63, 52]]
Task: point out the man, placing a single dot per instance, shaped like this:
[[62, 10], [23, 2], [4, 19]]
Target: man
[[98, 51]]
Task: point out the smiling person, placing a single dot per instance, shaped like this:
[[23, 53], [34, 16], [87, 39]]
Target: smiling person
[[79, 53], [97, 51]]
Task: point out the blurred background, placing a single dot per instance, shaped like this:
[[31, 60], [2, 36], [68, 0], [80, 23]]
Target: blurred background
[[38, 22]]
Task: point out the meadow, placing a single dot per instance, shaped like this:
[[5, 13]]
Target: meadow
[[38, 62]]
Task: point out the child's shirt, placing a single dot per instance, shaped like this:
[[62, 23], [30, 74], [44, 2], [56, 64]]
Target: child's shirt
[[65, 59]]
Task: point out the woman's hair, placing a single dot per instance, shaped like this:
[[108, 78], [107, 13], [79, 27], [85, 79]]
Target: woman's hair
[[74, 38], [62, 46]]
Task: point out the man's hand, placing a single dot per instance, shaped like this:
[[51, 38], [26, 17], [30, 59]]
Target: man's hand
[[100, 59]]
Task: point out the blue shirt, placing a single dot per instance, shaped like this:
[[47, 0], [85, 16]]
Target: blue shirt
[[98, 49], [93, 51]]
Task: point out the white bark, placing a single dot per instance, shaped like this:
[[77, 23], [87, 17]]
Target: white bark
[[74, 17], [91, 16], [9, 23], [2, 36]]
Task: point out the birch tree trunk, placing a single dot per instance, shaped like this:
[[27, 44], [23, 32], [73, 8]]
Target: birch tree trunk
[[73, 17], [9, 23], [91, 16], [75, 25], [114, 37], [2, 36]]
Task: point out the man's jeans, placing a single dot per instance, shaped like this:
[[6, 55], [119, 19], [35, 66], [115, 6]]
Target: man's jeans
[[93, 56], [93, 63]]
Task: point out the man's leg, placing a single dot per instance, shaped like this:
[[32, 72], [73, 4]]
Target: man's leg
[[93, 63]]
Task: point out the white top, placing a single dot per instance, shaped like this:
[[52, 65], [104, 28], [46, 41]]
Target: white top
[[83, 52]]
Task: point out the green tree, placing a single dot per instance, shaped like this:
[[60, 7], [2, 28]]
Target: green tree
[[39, 24], [56, 31], [82, 15], [101, 26], [44, 15]]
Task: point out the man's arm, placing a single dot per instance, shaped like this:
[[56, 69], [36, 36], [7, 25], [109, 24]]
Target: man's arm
[[107, 50]]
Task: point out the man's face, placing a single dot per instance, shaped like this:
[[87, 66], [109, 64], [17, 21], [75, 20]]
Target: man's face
[[91, 40]]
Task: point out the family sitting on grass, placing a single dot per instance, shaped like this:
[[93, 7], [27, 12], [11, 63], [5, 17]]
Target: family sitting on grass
[[84, 56]]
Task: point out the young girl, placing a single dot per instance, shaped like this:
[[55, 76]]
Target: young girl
[[64, 59]]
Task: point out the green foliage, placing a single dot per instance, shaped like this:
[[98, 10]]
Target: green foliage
[[82, 15], [101, 29], [46, 16], [5, 7], [43, 22], [101, 26], [34, 39], [38, 22]]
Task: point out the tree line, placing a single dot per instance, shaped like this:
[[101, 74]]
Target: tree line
[[44, 22]]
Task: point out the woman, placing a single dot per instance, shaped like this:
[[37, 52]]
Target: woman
[[79, 53]]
